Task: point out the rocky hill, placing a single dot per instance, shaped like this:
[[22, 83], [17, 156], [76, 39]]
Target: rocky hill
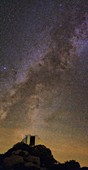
[[24, 157]]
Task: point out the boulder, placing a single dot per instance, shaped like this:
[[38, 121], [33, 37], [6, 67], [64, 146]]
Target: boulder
[[13, 160]]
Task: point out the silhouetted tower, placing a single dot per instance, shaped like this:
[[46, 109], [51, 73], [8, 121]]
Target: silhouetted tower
[[29, 140]]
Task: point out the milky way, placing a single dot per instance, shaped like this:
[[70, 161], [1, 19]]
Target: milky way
[[44, 74]]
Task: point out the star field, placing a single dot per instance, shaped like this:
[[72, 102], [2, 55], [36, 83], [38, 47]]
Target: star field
[[44, 75]]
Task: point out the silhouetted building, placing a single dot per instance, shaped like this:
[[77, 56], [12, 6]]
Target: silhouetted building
[[29, 140]]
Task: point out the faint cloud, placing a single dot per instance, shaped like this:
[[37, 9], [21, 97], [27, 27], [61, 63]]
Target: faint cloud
[[3, 114]]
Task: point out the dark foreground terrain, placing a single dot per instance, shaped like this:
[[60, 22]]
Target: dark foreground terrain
[[25, 157]]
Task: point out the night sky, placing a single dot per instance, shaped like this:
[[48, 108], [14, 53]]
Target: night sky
[[44, 75]]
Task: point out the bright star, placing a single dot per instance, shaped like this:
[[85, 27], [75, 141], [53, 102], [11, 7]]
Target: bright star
[[4, 68]]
